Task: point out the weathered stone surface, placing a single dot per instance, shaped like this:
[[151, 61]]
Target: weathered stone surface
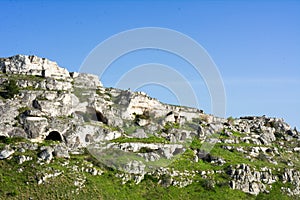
[[46, 153], [35, 127], [134, 167], [249, 180], [90, 81], [292, 176], [140, 133], [163, 150], [32, 65], [6, 153], [61, 151], [17, 132], [86, 134], [21, 159]]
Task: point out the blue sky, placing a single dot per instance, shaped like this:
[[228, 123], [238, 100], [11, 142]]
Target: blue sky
[[255, 44]]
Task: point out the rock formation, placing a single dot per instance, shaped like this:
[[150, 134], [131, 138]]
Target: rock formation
[[78, 112]]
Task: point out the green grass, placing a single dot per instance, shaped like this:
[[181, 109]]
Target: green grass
[[23, 185], [111, 128], [26, 77], [170, 125], [149, 189], [12, 140], [276, 194], [130, 130], [237, 134], [107, 187], [186, 162], [23, 77], [151, 139]]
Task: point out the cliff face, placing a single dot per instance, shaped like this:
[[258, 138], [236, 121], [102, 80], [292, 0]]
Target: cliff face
[[50, 103], [77, 105]]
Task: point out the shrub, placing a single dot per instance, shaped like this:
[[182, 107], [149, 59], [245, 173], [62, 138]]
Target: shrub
[[208, 184], [166, 180], [169, 125], [196, 144], [23, 109], [138, 117], [263, 157], [10, 89], [11, 140], [230, 120], [146, 150]]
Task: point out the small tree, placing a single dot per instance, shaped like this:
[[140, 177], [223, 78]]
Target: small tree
[[10, 89]]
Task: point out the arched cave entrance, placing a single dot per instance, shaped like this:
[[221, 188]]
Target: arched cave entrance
[[54, 136], [2, 138]]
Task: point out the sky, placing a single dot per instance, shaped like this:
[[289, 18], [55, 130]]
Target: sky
[[254, 44]]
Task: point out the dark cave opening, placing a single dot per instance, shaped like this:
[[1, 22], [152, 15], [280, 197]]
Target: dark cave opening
[[54, 136]]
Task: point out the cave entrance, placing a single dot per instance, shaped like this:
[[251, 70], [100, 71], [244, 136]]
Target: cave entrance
[[2, 138], [54, 136]]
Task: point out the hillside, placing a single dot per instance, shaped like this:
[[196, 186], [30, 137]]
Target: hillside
[[65, 136]]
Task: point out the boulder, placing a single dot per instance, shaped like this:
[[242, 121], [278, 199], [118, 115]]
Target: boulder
[[46, 153], [61, 151], [6, 153]]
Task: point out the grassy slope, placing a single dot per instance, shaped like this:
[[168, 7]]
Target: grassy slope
[[15, 185]]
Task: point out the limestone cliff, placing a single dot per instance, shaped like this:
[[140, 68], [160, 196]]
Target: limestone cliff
[[76, 110]]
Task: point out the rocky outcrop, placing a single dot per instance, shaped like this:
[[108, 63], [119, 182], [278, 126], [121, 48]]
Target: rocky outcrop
[[32, 65], [291, 176], [137, 134], [251, 181]]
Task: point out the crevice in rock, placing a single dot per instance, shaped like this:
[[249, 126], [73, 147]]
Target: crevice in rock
[[36, 104]]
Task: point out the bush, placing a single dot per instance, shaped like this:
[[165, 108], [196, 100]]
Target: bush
[[23, 109], [196, 144], [10, 89], [208, 184], [138, 117], [11, 140], [146, 150], [170, 125], [230, 120], [166, 180]]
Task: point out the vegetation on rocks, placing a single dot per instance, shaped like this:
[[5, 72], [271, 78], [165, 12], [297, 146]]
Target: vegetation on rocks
[[65, 136]]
